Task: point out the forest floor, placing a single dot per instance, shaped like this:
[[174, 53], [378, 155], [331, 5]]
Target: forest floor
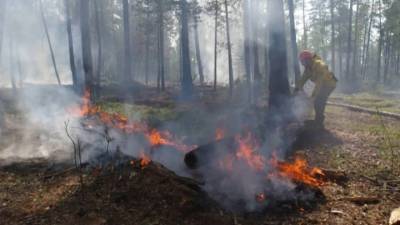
[[365, 146]]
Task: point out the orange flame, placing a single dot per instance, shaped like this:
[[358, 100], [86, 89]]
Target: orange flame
[[144, 160], [121, 122], [219, 134], [299, 171], [246, 152]]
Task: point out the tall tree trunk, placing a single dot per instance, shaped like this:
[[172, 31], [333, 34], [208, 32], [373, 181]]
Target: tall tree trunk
[[255, 47], [216, 45], [187, 81], [70, 44], [228, 38], [127, 43], [293, 40], [248, 31], [366, 57], [380, 43], [333, 47], [305, 36], [86, 45], [147, 48], [99, 43], [397, 68], [348, 75], [279, 83], [53, 59], [161, 65], [12, 70], [198, 53], [355, 44], [3, 10], [387, 53]]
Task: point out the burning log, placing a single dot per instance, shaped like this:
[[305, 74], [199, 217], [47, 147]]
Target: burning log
[[202, 154]]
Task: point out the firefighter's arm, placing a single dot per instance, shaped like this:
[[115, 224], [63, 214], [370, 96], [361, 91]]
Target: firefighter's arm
[[317, 88], [304, 78]]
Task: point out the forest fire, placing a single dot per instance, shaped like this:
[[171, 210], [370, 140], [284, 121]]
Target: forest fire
[[242, 151], [155, 137]]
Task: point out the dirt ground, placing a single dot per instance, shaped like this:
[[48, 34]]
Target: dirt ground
[[365, 146]]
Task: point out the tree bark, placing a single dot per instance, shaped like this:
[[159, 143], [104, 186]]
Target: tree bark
[[366, 57], [99, 43], [187, 81], [279, 83], [333, 47], [198, 53], [255, 47], [247, 46], [305, 37], [70, 44], [3, 10], [355, 44], [161, 64], [86, 45], [53, 59], [387, 53], [380, 43], [12, 71], [216, 45], [127, 43], [348, 75], [228, 38], [293, 39], [147, 47]]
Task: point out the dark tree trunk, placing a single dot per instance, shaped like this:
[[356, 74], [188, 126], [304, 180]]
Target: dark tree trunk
[[86, 45], [147, 48], [161, 64], [71, 44], [305, 37], [366, 56], [333, 47], [387, 53], [397, 68], [187, 82], [228, 38], [127, 43], [340, 58], [355, 44], [293, 40], [216, 45], [350, 32], [279, 83], [3, 10], [12, 70], [198, 53], [255, 47], [99, 43], [53, 59], [380, 43], [247, 46]]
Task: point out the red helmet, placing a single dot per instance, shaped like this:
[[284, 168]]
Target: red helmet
[[306, 55]]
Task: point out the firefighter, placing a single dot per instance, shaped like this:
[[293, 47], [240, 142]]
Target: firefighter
[[325, 83]]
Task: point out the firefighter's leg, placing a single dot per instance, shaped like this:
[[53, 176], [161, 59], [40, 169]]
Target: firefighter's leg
[[320, 104]]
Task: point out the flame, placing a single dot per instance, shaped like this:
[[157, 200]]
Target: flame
[[219, 134], [121, 122], [144, 160], [299, 171], [246, 151]]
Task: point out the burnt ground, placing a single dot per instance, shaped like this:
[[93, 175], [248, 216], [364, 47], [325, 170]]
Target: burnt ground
[[365, 146]]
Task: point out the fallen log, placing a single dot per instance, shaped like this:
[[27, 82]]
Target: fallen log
[[359, 200], [205, 154], [366, 110], [336, 176]]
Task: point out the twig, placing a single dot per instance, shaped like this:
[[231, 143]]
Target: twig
[[77, 156]]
